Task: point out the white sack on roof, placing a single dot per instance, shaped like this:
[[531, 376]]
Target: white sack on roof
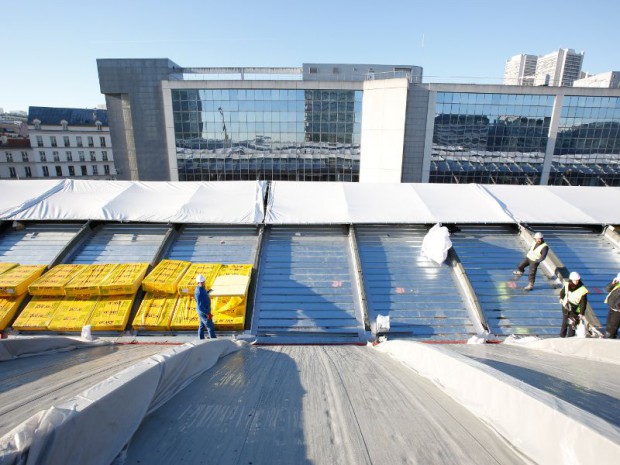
[[153, 202], [539, 204], [436, 244], [16, 196]]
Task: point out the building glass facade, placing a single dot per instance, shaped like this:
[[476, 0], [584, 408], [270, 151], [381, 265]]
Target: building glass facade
[[587, 149], [490, 138], [267, 134]]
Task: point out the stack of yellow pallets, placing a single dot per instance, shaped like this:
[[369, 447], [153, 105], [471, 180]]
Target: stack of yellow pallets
[[69, 297], [14, 281]]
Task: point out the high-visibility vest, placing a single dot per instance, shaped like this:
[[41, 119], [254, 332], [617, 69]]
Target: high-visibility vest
[[536, 251], [615, 287], [573, 297]]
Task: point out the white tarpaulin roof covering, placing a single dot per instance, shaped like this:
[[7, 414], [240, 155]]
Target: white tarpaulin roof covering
[[160, 202], [241, 202], [17, 195], [356, 203]]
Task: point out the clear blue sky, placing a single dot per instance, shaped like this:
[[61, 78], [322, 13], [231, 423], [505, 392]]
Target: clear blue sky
[[51, 47]]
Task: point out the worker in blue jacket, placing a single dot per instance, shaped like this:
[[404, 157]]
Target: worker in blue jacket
[[203, 307]]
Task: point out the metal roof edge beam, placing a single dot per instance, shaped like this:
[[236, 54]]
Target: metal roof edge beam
[[71, 248], [359, 280], [171, 235], [254, 279], [475, 310]]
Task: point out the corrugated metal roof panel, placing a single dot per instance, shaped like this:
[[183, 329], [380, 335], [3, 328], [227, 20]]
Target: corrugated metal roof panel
[[121, 243], [421, 297], [306, 285], [227, 245], [489, 255], [38, 243]]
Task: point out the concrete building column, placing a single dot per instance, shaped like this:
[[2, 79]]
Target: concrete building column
[[551, 139]]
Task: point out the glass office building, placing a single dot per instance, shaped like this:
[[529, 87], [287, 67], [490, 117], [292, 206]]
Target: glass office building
[[267, 134], [587, 149], [502, 138], [353, 122], [490, 138]]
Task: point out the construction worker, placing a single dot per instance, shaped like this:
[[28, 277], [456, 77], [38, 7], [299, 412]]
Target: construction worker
[[574, 300], [613, 300], [536, 254], [203, 307]]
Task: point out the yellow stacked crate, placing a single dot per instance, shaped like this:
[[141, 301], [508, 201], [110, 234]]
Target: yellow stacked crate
[[165, 277], [37, 314], [15, 281], [4, 267], [155, 312], [187, 285], [54, 281], [185, 316], [124, 280], [229, 296], [8, 307], [72, 314], [111, 313], [87, 282]]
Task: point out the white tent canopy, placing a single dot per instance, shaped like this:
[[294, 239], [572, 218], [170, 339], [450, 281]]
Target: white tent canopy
[[356, 203], [18, 195], [155, 202], [241, 202]]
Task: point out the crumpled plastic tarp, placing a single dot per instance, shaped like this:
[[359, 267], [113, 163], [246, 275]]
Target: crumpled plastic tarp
[[437, 243], [94, 427]]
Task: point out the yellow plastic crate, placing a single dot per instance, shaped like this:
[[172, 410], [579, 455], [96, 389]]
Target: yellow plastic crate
[[16, 281], [37, 314], [228, 305], [4, 267], [165, 277], [86, 283], [124, 280], [155, 312], [72, 314], [185, 316], [228, 323], [54, 281], [187, 285], [240, 270], [111, 313], [8, 307]]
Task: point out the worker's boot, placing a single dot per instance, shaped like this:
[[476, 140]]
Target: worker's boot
[[529, 287]]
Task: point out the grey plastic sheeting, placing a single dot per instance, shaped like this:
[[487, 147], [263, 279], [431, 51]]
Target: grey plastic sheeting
[[29, 385], [314, 405], [590, 385]]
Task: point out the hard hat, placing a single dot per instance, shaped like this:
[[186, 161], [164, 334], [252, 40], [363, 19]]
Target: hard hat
[[200, 279], [538, 235], [574, 276]]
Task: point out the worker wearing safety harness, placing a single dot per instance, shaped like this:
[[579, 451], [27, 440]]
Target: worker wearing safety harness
[[613, 300], [536, 254], [574, 300]]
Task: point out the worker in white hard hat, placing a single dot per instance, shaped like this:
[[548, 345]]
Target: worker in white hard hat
[[574, 300], [536, 254], [613, 316], [203, 307]]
